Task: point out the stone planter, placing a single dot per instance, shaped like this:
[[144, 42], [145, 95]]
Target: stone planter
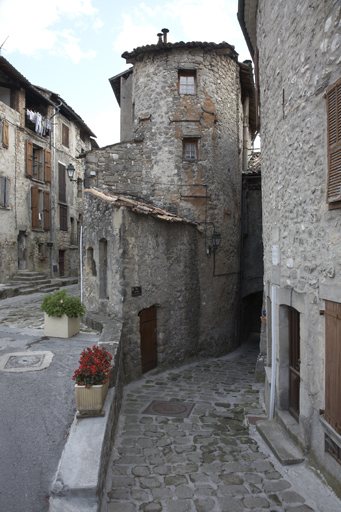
[[89, 401], [61, 327]]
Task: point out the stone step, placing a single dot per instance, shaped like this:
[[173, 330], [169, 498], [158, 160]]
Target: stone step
[[28, 278], [29, 284], [286, 451]]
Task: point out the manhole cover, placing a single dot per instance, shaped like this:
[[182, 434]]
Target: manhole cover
[[24, 361], [173, 409]]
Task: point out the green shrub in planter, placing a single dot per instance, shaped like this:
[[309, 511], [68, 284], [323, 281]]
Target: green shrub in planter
[[59, 304]]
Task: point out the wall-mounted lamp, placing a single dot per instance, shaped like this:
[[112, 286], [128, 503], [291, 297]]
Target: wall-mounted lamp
[[215, 242], [216, 239], [70, 171]]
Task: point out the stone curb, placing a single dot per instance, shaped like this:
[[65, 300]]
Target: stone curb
[[80, 477]]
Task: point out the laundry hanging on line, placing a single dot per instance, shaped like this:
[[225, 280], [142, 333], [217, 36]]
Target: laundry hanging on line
[[42, 124]]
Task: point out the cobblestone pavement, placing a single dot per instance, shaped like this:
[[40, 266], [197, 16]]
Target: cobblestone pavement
[[212, 460]]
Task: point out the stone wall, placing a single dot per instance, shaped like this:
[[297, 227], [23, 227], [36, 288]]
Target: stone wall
[[299, 58]]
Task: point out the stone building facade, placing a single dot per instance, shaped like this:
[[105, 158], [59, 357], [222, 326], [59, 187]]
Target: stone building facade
[[40, 209], [182, 112], [296, 49]]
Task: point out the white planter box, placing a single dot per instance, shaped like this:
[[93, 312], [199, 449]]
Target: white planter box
[[89, 401], [61, 327]]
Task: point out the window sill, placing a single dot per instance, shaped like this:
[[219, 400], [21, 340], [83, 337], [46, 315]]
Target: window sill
[[5, 208]]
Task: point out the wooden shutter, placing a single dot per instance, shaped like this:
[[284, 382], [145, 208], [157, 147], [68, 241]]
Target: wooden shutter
[[47, 166], [334, 145], [5, 135], [63, 217], [333, 365], [62, 183], [29, 158], [46, 211], [35, 207]]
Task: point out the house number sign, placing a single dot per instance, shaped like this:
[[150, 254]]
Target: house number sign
[[136, 291]]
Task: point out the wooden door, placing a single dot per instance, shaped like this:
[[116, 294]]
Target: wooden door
[[333, 365], [148, 339], [294, 363]]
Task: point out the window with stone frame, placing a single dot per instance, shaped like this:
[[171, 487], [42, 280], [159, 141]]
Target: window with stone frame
[[65, 135], [40, 206], [333, 96], [38, 162], [187, 81], [4, 192], [190, 149]]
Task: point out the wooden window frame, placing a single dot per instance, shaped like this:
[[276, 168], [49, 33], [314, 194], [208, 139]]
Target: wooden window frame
[[45, 162], [192, 142], [65, 135], [186, 88], [40, 207], [4, 192], [333, 99]]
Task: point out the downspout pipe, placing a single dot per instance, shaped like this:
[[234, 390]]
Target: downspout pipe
[[246, 142], [273, 350]]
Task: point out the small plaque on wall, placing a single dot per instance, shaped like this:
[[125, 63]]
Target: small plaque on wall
[[136, 291]]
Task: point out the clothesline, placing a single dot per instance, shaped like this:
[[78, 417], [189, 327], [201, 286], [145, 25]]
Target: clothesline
[[42, 124]]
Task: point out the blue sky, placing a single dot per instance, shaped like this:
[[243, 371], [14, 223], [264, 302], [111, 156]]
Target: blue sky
[[73, 47]]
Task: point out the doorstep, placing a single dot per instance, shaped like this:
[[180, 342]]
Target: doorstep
[[286, 451]]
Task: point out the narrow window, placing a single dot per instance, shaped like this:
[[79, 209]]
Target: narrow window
[[4, 192], [65, 135], [35, 203], [63, 217], [187, 82], [190, 149], [46, 211], [334, 145], [38, 163], [62, 183]]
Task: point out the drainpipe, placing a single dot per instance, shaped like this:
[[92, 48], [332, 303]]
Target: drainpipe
[[246, 107], [273, 350], [81, 260]]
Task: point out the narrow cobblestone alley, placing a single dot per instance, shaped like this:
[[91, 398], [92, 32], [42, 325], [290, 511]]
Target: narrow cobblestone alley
[[210, 461]]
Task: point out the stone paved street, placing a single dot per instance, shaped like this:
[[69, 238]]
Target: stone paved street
[[212, 460]]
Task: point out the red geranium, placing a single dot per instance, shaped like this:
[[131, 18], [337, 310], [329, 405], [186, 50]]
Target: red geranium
[[94, 367]]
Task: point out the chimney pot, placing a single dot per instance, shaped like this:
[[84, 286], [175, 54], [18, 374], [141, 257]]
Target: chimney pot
[[159, 35], [165, 32]]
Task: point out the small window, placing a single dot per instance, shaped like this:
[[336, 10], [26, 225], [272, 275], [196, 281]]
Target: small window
[[63, 217], [190, 149], [187, 82], [4, 192], [38, 163], [65, 135]]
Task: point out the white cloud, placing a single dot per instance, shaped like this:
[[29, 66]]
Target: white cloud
[[188, 20], [32, 33]]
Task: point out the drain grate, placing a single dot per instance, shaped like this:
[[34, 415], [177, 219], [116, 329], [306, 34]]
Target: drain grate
[[172, 409]]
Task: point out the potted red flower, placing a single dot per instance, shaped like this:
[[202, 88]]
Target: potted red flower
[[92, 380]]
